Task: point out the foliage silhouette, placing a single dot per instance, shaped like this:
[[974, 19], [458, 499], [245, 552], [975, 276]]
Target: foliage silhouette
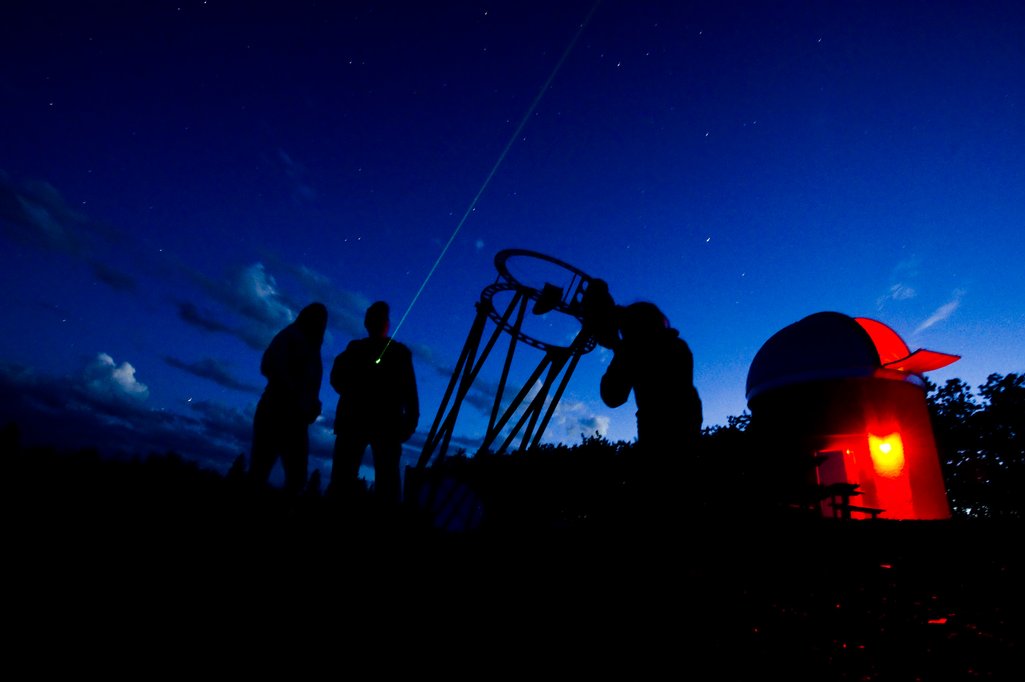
[[158, 534], [981, 443], [980, 437]]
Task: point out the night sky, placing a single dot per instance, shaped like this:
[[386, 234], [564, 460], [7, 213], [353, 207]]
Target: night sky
[[178, 179]]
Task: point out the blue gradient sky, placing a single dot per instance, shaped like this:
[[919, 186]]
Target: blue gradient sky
[[177, 179]]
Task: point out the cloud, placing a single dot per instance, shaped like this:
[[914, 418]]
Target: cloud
[[575, 418], [36, 214], [570, 418], [214, 370], [481, 393], [903, 272], [189, 313], [943, 312], [412, 449], [345, 309], [107, 380], [302, 190], [482, 399], [254, 292], [93, 410], [229, 426], [897, 292], [425, 354], [115, 279], [103, 408], [265, 305], [908, 267], [250, 293]]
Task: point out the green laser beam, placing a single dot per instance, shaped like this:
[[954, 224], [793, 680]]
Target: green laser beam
[[487, 180]]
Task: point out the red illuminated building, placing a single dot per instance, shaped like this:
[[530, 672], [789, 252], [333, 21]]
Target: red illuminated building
[[847, 395]]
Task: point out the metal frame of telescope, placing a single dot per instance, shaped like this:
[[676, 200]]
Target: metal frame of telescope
[[557, 364]]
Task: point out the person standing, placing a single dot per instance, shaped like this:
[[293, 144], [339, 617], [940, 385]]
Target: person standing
[[291, 399], [378, 406], [653, 362]]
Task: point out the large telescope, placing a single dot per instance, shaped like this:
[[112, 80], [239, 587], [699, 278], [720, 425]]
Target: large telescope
[[546, 285]]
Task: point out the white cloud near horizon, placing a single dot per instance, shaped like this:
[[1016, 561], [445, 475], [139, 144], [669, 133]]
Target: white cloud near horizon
[[104, 407], [106, 379], [573, 418]]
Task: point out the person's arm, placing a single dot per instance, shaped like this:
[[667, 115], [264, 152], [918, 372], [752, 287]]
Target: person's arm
[[340, 370], [311, 405], [279, 364], [411, 400], [616, 383], [273, 364]]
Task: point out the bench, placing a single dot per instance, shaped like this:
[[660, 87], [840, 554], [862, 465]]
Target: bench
[[846, 510], [839, 496]]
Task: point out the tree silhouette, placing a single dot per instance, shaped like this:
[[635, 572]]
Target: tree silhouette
[[981, 443]]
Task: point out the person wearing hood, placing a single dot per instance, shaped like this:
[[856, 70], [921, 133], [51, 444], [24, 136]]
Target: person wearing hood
[[291, 399], [653, 362]]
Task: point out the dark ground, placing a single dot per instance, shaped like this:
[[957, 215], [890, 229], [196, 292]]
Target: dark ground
[[109, 564]]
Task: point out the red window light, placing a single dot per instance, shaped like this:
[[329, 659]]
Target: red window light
[[887, 453]]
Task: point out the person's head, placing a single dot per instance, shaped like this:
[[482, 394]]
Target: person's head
[[376, 320], [313, 321], [641, 321]]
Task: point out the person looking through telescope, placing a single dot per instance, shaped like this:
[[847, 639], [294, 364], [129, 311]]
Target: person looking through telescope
[[651, 360]]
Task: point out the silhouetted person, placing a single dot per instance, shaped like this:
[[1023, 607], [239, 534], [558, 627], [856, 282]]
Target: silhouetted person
[[377, 406], [599, 314], [657, 365], [291, 400]]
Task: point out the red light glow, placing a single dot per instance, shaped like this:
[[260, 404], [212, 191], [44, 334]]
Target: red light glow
[[887, 454]]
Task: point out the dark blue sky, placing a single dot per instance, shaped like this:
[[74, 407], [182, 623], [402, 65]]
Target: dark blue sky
[[178, 179]]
